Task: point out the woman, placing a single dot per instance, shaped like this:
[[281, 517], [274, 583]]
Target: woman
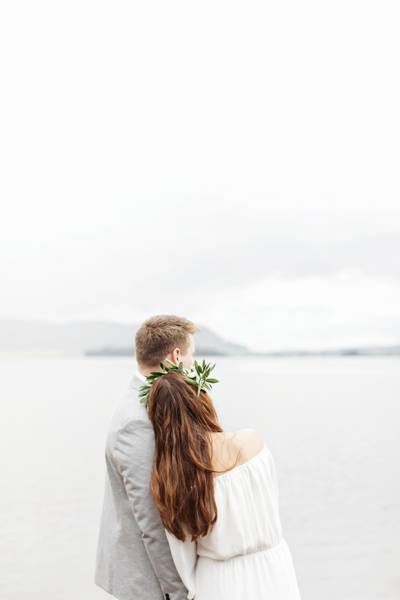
[[217, 494]]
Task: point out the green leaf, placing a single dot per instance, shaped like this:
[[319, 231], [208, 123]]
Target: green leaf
[[197, 375]]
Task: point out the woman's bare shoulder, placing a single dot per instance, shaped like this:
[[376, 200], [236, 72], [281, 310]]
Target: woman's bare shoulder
[[250, 442], [242, 444]]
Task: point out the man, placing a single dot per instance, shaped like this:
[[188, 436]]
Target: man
[[133, 560]]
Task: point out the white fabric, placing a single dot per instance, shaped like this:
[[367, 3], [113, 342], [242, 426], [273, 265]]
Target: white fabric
[[245, 555]]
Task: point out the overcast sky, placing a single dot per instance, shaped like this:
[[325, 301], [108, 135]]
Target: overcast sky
[[235, 163]]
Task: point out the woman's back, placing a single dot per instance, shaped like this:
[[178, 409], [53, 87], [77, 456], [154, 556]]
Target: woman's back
[[248, 513], [245, 552]]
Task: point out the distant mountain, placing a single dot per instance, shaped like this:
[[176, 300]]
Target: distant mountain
[[108, 338], [362, 351], [92, 338]]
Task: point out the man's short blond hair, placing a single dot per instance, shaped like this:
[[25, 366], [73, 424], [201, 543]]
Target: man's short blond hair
[[159, 335]]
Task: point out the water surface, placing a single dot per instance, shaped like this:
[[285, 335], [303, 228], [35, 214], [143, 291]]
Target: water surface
[[332, 425]]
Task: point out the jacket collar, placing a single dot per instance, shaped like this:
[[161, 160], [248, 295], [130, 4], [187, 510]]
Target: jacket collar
[[139, 375]]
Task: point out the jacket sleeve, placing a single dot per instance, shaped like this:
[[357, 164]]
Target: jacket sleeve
[[185, 559], [134, 459]]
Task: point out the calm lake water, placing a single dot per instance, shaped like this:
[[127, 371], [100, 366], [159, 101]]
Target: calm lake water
[[332, 425]]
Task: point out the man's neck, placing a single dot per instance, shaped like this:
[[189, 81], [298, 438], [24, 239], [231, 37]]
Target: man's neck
[[143, 371]]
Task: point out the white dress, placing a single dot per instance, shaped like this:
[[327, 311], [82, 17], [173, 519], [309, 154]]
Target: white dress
[[245, 555]]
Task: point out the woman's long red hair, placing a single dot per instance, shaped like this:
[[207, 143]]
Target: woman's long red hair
[[182, 482]]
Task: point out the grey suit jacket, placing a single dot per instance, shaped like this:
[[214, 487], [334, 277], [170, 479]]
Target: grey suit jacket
[[133, 560]]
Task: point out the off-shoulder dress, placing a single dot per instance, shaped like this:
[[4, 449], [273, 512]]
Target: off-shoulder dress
[[245, 556]]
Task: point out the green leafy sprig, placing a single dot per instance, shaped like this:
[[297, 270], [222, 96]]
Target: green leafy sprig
[[198, 376]]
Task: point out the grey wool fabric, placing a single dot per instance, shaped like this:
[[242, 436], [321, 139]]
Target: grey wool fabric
[[133, 559]]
